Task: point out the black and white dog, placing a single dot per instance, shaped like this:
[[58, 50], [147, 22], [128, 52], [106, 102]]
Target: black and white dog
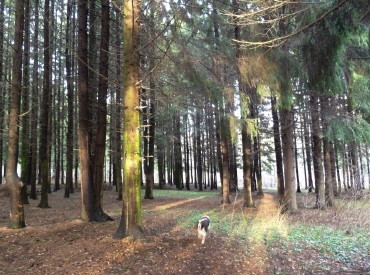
[[204, 224]]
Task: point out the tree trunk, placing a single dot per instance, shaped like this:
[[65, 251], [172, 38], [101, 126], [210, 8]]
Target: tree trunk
[[247, 169], [289, 200], [101, 116], [308, 152], [35, 105], [225, 161], [131, 221], [177, 176], [198, 153], [329, 194], [2, 88], [25, 120], [15, 185], [296, 161], [278, 151], [44, 130], [316, 153], [90, 211], [70, 108]]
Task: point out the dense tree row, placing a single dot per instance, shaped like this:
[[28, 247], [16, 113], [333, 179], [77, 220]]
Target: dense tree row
[[185, 93]]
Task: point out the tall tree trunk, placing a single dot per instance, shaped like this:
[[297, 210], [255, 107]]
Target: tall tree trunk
[[35, 105], [316, 153], [225, 160], [198, 153], [289, 200], [256, 146], [44, 131], [2, 88], [90, 211], [247, 165], [308, 152], [296, 161], [149, 176], [131, 221], [25, 121], [101, 117], [278, 151], [329, 194], [187, 154], [70, 88], [118, 108], [354, 169], [177, 177], [13, 181]]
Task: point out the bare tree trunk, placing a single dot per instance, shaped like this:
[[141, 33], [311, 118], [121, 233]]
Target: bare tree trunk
[[296, 161], [44, 131], [278, 151], [2, 88], [329, 194], [101, 116], [225, 161], [35, 106], [198, 153], [308, 152], [70, 88], [289, 200], [131, 221], [89, 211], [25, 120], [316, 153], [13, 181]]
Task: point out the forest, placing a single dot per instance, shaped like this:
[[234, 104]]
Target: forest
[[245, 101]]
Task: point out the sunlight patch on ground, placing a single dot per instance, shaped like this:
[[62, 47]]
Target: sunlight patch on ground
[[175, 204]]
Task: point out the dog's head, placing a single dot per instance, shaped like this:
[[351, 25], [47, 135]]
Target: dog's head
[[204, 223]]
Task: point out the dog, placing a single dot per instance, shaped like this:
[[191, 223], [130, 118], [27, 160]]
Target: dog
[[204, 224]]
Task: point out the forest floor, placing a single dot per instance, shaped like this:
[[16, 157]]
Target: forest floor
[[56, 241]]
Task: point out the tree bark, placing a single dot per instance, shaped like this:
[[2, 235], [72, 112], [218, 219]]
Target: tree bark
[[308, 152], [44, 139], [70, 88], [25, 120], [278, 151], [131, 220], [101, 116], [2, 88], [289, 201], [90, 209], [198, 151], [225, 161], [329, 193], [14, 183], [316, 153]]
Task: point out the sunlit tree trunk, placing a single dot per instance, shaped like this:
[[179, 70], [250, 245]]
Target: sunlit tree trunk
[[225, 160], [131, 221], [289, 201], [13, 181]]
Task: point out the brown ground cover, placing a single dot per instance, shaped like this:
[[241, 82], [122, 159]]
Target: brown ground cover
[[56, 241]]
